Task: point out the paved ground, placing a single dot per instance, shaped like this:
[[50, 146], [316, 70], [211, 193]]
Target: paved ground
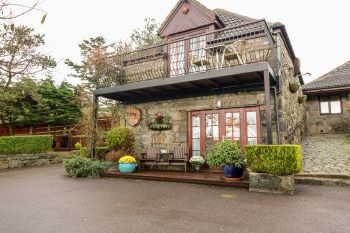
[[326, 153], [44, 200]]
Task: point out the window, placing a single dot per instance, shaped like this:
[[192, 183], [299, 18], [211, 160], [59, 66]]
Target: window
[[330, 105]]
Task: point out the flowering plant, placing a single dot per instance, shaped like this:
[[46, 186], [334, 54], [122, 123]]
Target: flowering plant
[[127, 159], [197, 160]]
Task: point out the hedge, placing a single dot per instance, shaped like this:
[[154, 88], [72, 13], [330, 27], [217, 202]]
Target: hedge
[[25, 144], [100, 152], [274, 159]]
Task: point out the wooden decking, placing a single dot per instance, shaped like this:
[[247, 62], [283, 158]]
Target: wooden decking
[[206, 178]]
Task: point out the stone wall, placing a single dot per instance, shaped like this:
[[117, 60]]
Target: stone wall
[[178, 110], [290, 111], [28, 160], [330, 123]]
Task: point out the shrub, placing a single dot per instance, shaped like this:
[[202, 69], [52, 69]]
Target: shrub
[[121, 138], [100, 152], [26, 144], [127, 159], [225, 153], [84, 167], [78, 146], [274, 159]]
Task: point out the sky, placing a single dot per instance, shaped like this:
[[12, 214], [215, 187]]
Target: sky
[[318, 29]]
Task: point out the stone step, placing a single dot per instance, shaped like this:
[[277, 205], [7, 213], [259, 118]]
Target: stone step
[[314, 180], [325, 175]]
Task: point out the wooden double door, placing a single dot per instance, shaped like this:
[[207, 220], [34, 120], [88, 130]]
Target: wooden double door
[[237, 124]]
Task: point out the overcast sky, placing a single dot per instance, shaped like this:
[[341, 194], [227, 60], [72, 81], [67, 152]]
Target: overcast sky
[[319, 30]]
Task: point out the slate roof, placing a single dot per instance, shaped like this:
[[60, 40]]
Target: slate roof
[[339, 77], [230, 19]]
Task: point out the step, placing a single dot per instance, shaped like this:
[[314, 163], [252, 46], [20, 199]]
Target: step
[[314, 180]]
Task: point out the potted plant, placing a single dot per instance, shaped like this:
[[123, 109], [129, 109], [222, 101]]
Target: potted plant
[[127, 164], [197, 161], [227, 155]]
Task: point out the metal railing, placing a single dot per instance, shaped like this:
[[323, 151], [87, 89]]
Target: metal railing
[[220, 49]]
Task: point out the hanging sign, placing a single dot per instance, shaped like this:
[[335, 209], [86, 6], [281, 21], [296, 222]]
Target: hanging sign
[[133, 116]]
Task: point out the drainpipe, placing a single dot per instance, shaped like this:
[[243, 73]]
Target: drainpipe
[[277, 114]]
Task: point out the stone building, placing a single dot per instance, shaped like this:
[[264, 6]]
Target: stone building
[[215, 75], [327, 108]]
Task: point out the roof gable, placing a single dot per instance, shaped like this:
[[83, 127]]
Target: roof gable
[[179, 20], [339, 77]]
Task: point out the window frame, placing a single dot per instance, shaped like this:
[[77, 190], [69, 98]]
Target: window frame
[[329, 104]]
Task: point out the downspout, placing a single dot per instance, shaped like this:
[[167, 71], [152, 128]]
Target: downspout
[[277, 114]]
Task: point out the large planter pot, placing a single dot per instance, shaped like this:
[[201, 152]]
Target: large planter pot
[[232, 171], [126, 167]]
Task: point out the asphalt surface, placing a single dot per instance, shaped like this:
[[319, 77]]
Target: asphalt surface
[[44, 200]]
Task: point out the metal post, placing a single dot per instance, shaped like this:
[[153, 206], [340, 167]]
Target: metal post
[[94, 127], [268, 106]]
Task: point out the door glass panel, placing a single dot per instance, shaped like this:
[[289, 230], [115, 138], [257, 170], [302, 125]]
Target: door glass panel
[[252, 128], [197, 54], [232, 126], [196, 134], [212, 129], [177, 58]]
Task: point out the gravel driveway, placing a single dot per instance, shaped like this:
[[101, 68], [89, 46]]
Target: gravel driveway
[[44, 200]]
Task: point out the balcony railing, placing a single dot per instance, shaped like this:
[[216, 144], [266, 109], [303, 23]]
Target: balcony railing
[[220, 49]]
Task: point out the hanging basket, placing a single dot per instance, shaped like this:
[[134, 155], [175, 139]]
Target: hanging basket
[[160, 126], [302, 99], [294, 87]]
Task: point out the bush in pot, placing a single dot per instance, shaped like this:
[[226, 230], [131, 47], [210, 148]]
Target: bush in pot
[[227, 155], [197, 161]]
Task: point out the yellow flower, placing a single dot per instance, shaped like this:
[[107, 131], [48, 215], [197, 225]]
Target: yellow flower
[[127, 159]]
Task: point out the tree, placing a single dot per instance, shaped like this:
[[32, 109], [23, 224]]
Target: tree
[[97, 68], [60, 105], [10, 10], [17, 101], [146, 36], [20, 55]]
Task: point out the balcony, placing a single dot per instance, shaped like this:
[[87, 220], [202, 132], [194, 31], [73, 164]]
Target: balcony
[[229, 57]]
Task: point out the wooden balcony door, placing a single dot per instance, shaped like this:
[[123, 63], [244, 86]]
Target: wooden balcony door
[[206, 128]]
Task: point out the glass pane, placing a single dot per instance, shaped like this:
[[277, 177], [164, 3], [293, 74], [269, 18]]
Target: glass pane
[[216, 132], [324, 107], [196, 132], [229, 132], [195, 121], [336, 106], [252, 141], [208, 119], [251, 118], [209, 132], [195, 144], [236, 133], [229, 120], [215, 119], [196, 153], [236, 118], [252, 131]]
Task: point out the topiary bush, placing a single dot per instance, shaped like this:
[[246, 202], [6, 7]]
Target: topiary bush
[[225, 153], [100, 152], [121, 138], [84, 167], [274, 159], [25, 144]]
